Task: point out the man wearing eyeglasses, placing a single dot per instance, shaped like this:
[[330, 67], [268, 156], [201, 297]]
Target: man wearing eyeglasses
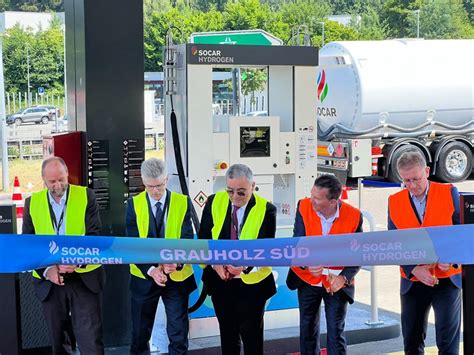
[[239, 293], [424, 203], [324, 214], [159, 213]]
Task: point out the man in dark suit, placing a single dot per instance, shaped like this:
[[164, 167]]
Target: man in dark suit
[[324, 214], [68, 293], [159, 213], [424, 203], [239, 293]]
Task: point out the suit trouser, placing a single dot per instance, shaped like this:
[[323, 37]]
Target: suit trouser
[[240, 316], [416, 303], [86, 317], [175, 300], [309, 299]]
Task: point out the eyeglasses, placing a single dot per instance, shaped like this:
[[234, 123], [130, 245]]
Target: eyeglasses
[[155, 187], [241, 193]]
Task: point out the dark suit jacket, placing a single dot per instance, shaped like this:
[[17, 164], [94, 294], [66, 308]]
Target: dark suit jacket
[[94, 280], [293, 281], [405, 284], [264, 289], [144, 288]]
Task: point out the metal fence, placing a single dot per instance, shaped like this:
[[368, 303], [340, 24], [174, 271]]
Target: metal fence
[[15, 102], [225, 107]]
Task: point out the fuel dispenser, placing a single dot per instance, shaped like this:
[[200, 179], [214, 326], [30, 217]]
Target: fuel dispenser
[[280, 148]]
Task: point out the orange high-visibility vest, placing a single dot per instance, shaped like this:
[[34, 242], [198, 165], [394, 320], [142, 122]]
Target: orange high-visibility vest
[[439, 212], [348, 221]]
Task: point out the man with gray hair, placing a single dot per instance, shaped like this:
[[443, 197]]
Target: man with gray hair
[[424, 203], [239, 293], [159, 213]]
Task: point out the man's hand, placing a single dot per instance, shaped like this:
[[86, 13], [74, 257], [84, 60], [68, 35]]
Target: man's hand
[[221, 271], [443, 266], [53, 275], [159, 276], [169, 268], [424, 274], [336, 282], [316, 271], [234, 270], [66, 269]]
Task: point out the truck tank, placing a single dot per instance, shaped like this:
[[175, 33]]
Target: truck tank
[[395, 88]]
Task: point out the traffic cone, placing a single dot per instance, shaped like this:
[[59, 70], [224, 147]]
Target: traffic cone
[[17, 198], [344, 195]]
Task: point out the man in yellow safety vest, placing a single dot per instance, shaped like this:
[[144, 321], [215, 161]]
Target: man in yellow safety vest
[[68, 293], [239, 293], [159, 213]]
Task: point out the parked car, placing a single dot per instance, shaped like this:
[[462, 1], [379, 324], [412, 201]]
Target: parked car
[[30, 114], [55, 111]]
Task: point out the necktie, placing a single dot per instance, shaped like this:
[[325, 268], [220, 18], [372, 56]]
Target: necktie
[[234, 228], [159, 220]]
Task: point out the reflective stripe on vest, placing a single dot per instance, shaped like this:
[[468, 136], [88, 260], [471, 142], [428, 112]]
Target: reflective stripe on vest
[[438, 212], [174, 222], [75, 215], [348, 221], [250, 229]]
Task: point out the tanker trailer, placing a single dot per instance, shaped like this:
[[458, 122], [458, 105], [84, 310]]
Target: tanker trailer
[[376, 99]]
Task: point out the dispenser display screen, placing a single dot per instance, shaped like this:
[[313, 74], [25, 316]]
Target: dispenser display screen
[[254, 142]]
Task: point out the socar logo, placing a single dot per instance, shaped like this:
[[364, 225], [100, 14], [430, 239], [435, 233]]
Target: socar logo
[[194, 50], [355, 245], [322, 86], [53, 247]]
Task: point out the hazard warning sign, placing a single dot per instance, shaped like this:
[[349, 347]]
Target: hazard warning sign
[[200, 199]]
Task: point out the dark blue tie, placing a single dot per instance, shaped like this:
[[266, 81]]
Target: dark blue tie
[[159, 220]]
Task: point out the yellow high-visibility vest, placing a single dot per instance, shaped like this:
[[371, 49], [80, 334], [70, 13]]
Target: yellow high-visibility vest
[[75, 214], [174, 222], [249, 231]]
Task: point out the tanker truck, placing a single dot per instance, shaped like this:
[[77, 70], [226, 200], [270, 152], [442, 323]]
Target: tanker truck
[[377, 99]]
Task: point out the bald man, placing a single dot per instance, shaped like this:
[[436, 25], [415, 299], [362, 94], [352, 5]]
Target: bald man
[[69, 294]]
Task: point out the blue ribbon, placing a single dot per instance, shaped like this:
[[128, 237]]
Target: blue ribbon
[[452, 244]]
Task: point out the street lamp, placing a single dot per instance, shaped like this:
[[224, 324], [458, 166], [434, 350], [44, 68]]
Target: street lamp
[[28, 74], [322, 33], [417, 22]]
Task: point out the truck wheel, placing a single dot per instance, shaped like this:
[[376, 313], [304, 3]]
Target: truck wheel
[[454, 163], [18, 121], [44, 120], [393, 172]]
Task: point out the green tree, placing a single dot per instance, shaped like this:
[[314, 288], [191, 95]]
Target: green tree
[[36, 5], [206, 5], [45, 51], [253, 80], [469, 5], [299, 12], [245, 15], [182, 24], [440, 19], [366, 20], [341, 7]]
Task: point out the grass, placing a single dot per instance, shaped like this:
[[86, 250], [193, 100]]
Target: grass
[[29, 171]]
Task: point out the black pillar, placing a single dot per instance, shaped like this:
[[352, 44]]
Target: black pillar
[[10, 328], [104, 79], [467, 217]]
